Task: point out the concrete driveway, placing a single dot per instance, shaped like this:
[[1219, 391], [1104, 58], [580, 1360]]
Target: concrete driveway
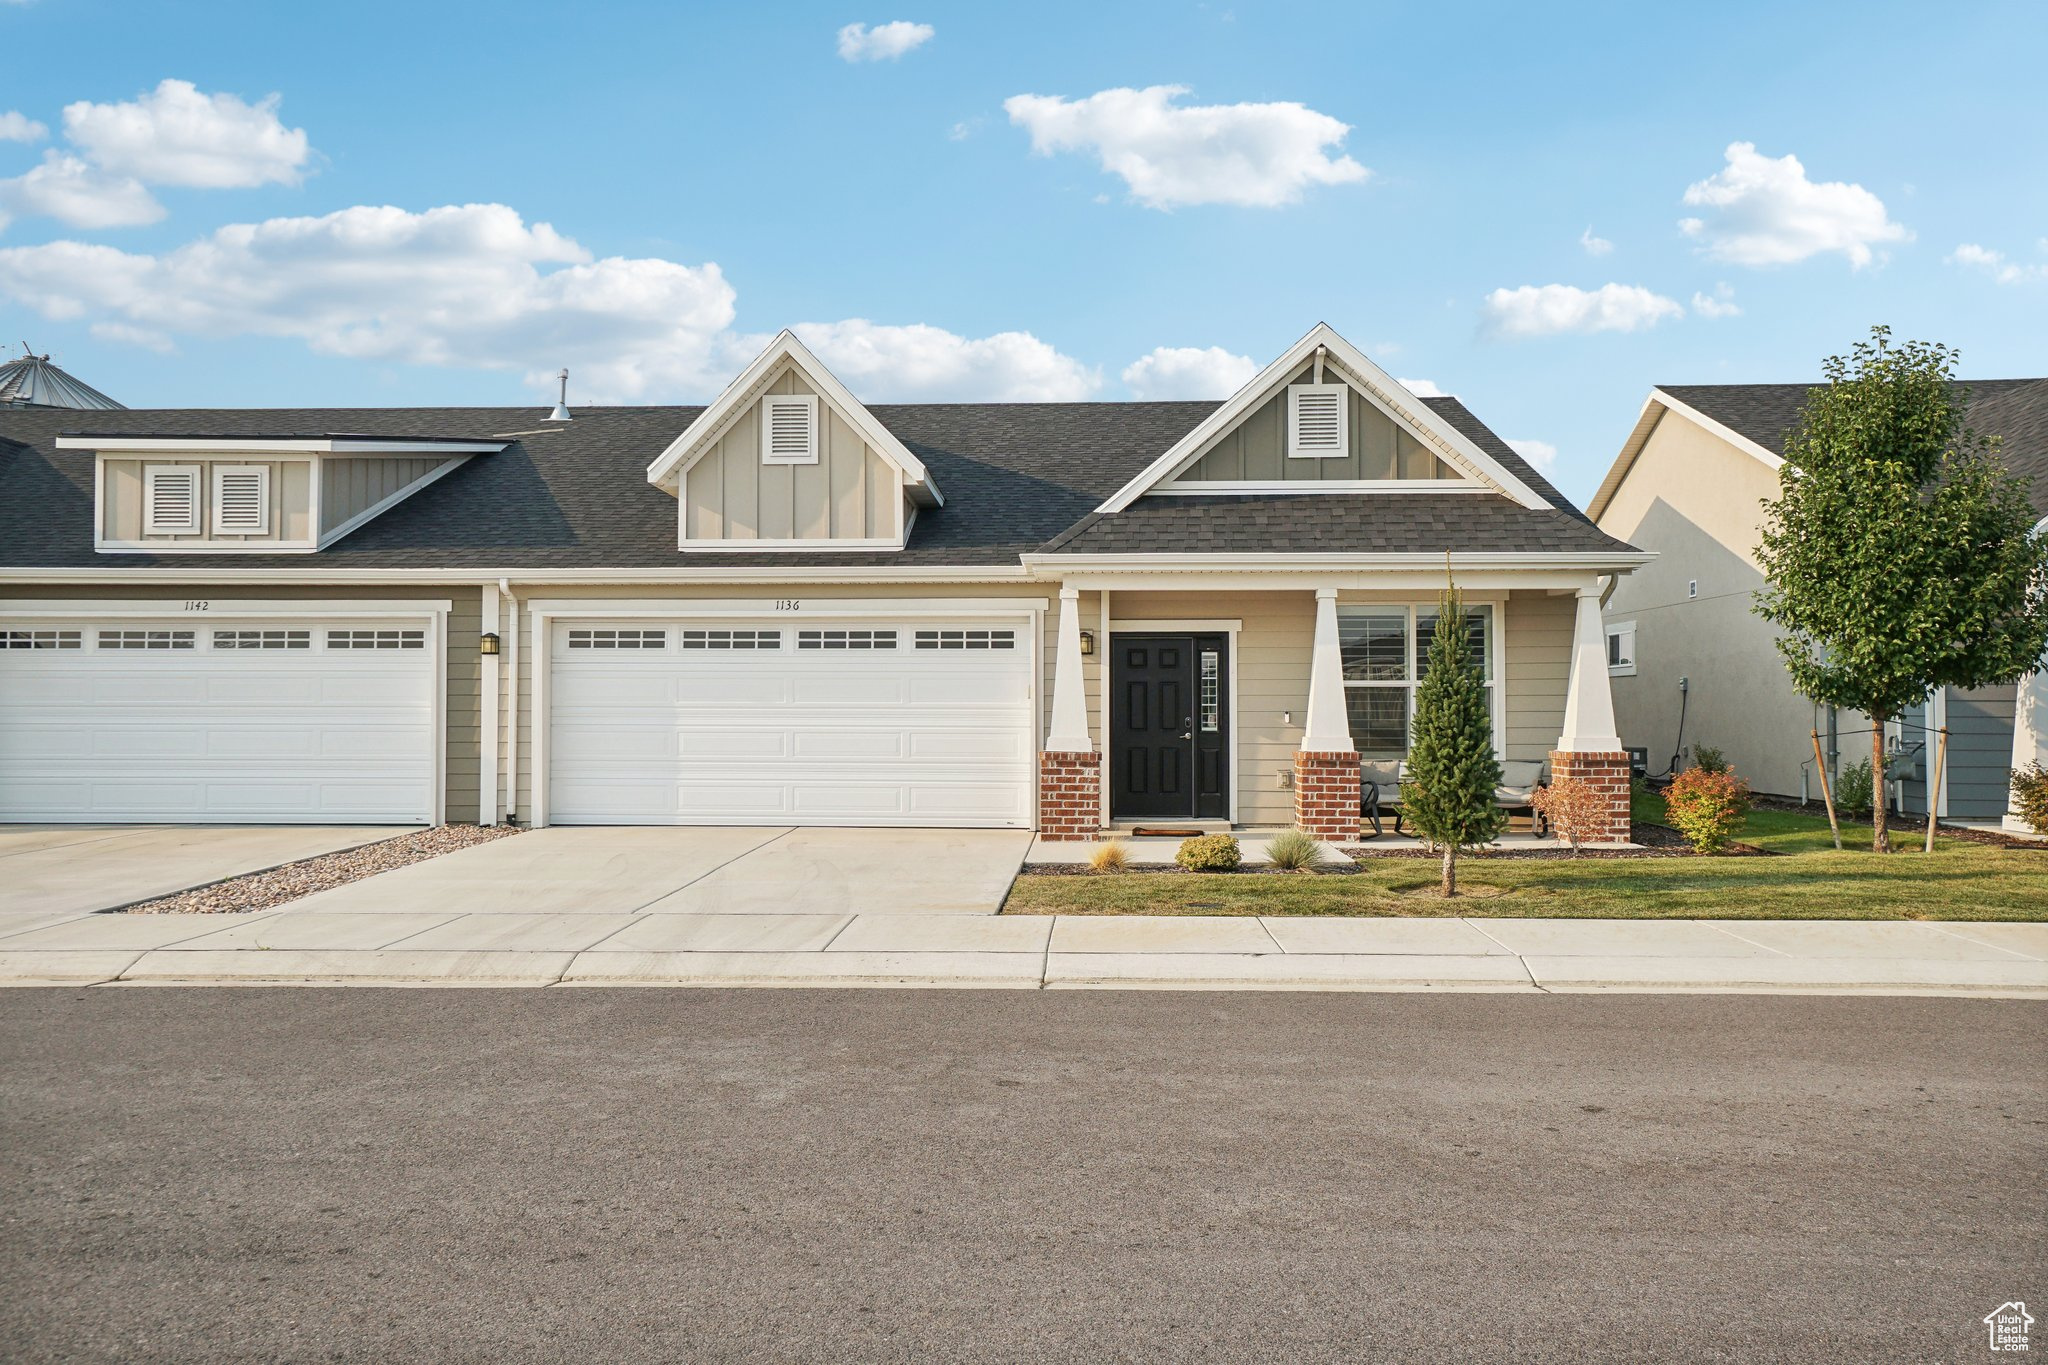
[[624, 870], [50, 873]]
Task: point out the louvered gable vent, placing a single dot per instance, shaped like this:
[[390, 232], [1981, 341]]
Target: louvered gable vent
[[241, 500], [789, 428], [170, 500], [1317, 426]]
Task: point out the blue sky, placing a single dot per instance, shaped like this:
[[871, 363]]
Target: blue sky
[[1543, 209]]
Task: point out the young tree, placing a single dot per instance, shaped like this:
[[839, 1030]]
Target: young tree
[[1897, 549], [1448, 794]]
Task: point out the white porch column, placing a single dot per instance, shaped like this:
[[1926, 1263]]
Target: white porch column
[[1069, 732], [1328, 728], [1588, 704], [2029, 734]]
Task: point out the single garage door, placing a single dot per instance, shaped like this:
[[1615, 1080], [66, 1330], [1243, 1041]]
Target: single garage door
[[684, 722], [270, 721]]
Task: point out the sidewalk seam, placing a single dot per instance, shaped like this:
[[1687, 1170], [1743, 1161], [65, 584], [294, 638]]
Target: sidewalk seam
[[1780, 952], [1520, 960], [1954, 933], [684, 886]]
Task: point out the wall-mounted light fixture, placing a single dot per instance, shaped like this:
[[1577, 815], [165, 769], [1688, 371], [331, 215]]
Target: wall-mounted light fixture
[[1087, 642], [488, 643]]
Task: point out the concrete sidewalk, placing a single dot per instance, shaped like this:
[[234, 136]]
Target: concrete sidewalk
[[449, 947]]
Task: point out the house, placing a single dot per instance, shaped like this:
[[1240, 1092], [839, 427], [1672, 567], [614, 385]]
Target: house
[[786, 607], [1688, 654]]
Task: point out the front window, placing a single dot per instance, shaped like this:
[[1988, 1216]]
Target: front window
[[1385, 651]]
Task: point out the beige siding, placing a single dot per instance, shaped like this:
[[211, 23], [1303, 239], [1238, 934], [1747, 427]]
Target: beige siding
[[352, 485], [851, 493], [1537, 654], [1695, 500], [121, 499], [464, 684], [1256, 448]]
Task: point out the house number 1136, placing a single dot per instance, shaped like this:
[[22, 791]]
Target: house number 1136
[[788, 604]]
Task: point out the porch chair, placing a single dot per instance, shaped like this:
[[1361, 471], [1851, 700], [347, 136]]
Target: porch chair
[[1379, 789], [1519, 779]]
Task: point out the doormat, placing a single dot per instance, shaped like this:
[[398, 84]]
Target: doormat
[[1149, 832]]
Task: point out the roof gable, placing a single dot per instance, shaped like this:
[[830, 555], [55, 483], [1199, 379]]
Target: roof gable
[[782, 354], [1339, 359]]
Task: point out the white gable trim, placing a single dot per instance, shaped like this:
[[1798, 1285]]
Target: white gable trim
[[1654, 408], [739, 396], [1453, 446]]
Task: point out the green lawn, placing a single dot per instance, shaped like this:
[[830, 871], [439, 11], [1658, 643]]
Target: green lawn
[[1960, 880]]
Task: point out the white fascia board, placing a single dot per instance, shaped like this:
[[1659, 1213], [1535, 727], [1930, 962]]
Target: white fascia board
[[217, 607], [1654, 408], [733, 399], [198, 445], [1371, 379], [1295, 563], [1211, 487], [679, 577]]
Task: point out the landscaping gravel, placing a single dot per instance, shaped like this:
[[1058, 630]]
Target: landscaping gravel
[[262, 890]]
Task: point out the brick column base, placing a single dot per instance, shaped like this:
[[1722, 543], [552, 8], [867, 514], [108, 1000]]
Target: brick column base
[[1069, 796], [1609, 776], [1326, 795]]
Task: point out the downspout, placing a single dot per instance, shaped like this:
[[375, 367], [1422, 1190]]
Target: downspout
[[511, 710]]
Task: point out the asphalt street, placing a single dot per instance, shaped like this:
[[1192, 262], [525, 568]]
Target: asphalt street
[[642, 1175]]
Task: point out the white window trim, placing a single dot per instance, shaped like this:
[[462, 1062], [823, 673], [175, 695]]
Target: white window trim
[[808, 404], [221, 472], [1295, 393], [151, 473], [1496, 654], [1627, 667]]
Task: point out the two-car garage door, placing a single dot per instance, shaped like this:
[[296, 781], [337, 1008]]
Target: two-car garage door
[[278, 720], [827, 721]]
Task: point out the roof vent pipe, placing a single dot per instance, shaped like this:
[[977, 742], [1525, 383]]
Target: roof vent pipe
[[561, 412]]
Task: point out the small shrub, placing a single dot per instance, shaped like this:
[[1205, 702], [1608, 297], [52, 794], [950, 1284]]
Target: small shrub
[[1209, 853], [1573, 808], [1708, 757], [1707, 807], [2030, 793], [1292, 850], [1111, 855], [1852, 788]]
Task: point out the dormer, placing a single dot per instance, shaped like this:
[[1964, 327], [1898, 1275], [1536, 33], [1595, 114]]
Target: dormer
[[1324, 419], [169, 495], [787, 459]]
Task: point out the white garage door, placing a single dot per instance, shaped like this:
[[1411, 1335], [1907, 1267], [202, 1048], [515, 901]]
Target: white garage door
[[272, 721], [741, 722]]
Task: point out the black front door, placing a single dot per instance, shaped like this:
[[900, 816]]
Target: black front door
[[1169, 727]]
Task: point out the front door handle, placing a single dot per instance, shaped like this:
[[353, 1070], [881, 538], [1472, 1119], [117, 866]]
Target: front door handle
[[1187, 727]]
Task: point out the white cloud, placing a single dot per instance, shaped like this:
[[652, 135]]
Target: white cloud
[[1595, 246], [121, 334], [1995, 264], [174, 135], [1257, 155], [1764, 211], [1548, 309], [69, 190], [20, 128], [1719, 304], [964, 129], [1422, 388], [1542, 455], [1188, 372], [473, 286], [929, 364], [883, 42]]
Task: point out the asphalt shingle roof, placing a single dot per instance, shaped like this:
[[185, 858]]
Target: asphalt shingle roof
[[1015, 476], [2014, 410]]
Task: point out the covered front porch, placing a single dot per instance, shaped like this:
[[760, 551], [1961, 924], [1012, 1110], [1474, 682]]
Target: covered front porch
[[1193, 700]]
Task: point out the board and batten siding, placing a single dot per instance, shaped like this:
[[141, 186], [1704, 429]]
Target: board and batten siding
[[1256, 448], [1980, 723], [462, 756], [851, 493], [121, 500], [350, 486]]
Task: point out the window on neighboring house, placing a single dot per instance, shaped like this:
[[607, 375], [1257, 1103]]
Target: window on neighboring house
[[1621, 649], [170, 500], [1385, 649], [789, 428], [1318, 421], [241, 500]]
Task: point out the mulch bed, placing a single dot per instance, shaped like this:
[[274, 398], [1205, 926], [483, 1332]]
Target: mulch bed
[[262, 890]]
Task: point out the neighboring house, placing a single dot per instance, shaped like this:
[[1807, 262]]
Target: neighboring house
[[1689, 484], [788, 607]]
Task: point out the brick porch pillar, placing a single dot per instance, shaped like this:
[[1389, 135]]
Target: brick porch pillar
[[1069, 796], [1608, 775], [1326, 795]]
